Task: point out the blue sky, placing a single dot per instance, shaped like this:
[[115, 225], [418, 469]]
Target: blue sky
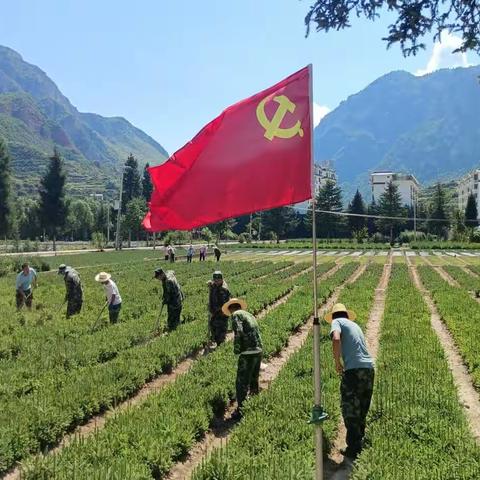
[[169, 67]]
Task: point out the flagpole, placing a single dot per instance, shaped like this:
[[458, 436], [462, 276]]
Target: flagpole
[[318, 415]]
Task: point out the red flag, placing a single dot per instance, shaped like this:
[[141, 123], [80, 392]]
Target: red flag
[[255, 156]]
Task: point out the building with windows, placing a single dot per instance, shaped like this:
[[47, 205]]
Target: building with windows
[[466, 185], [322, 173], [407, 184]]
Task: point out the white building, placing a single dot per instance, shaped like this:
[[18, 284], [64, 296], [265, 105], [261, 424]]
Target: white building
[[407, 184], [322, 173], [466, 185]]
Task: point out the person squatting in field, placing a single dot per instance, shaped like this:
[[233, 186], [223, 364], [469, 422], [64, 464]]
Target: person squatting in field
[[247, 344], [218, 295], [25, 282], [114, 300], [172, 296], [357, 371], [73, 286]]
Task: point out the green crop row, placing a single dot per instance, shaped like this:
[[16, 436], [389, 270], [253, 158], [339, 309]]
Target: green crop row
[[461, 314], [51, 292], [464, 279], [274, 440], [49, 351], [152, 436], [416, 427], [33, 422]]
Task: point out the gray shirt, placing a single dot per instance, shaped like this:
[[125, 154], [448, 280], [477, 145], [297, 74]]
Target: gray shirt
[[354, 348]]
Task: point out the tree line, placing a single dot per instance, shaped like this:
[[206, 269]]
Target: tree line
[[54, 215]]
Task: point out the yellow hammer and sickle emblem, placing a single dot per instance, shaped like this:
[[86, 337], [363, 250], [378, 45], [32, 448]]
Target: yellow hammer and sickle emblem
[[272, 127]]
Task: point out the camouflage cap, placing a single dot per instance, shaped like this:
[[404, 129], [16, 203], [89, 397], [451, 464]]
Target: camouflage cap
[[217, 274], [62, 268], [158, 272]]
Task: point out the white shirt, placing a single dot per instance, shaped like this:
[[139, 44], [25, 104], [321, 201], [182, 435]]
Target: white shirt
[[111, 289]]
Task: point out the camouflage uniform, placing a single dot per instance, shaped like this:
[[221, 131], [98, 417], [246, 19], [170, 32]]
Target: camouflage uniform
[[218, 322], [74, 293], [356, 390], [173, 298], [248, 345]]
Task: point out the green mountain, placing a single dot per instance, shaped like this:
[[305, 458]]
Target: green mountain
[[428, 126], [35, 116]]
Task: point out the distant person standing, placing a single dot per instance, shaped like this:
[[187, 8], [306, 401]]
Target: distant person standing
[[114, 300], [203, 253], [247, 344], [172, 296], [166, 250], [218, 295], [172, 254], [73, 286], [190, 252], [25, 282], [357, 373], [217, 252]]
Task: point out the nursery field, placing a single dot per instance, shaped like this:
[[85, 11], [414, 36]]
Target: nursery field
[[126, 401]]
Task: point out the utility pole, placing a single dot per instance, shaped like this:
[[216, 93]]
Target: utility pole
[[415, 216], [119, 212], [108, 223], [250, 232]]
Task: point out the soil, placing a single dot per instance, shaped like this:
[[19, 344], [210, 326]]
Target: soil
[[467, 395]]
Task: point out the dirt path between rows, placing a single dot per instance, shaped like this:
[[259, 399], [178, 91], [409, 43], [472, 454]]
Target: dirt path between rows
[[98, 421], [219, 435], [338, 467], [467, 395]]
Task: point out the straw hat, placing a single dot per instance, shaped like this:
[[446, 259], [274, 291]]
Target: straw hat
[[102, 277], [233, 301], [340, 307]]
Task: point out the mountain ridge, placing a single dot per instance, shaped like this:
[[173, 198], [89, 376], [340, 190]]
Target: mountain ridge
[[35, 116], [425, 125]]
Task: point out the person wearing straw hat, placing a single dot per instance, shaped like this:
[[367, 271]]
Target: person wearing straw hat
[[114, 300], [172, 296], [73, 286], [247, 344], [357, 371], [218, 295]]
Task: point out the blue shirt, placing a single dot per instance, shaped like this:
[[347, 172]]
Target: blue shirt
[[354, 348], [24, 282]]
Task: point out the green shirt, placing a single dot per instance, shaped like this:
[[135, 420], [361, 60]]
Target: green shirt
[[172, 293], [247, 338]]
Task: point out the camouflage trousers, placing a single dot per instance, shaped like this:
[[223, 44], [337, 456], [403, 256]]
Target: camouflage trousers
[[218, 328], [24, 299], [74, 303], [248, 371], [173, 319], [356, 390]]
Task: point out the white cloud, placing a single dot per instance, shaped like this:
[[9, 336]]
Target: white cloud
[[442, 56], [319, 111]]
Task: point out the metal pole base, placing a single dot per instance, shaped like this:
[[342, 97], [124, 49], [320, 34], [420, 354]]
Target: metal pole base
[[319, 415]]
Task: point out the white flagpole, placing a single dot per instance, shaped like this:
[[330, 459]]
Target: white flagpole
[[318, 415]]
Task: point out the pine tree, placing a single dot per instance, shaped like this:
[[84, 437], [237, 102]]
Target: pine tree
[[372, 222], [132, 187], [5, 191], [53, 209], [281, 221], [355, 224], [390, 205], [439, 223], [329, 199], [471, 213], [147, 186]]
